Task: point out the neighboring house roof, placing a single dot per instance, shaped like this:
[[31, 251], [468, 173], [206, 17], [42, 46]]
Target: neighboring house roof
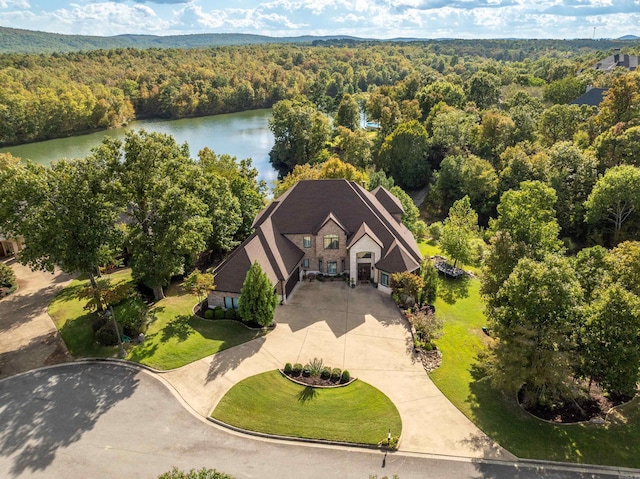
[[592, 97], [303, 209], [630, 62]]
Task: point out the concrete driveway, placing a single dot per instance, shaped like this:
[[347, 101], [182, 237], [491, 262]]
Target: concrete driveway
[[29, 338], [356, 329]]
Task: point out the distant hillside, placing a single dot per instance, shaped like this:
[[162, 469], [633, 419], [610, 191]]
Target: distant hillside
[[13, 40], [629, 37]]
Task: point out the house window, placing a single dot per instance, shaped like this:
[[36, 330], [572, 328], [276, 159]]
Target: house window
[[331, 242], [305, 263], [306, 242], [231, 303], [384, 279], [320, 264], [332, 267]]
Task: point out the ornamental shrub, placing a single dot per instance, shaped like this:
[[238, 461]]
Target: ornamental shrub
[[336, 374], [288, 368], [346, 377], [8, 282], [315, 367], [218, 313], [325, 373], [306, 371], [208, 314], [230, 314], [297, 369]]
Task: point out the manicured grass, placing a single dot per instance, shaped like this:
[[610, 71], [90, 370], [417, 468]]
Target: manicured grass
[[462, 379], [269, 403], [174, 337]]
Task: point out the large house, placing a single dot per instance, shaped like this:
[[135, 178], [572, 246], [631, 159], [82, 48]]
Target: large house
[[333, 227]]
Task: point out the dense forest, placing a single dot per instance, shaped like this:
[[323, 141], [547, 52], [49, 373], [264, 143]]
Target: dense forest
[[45, 96]]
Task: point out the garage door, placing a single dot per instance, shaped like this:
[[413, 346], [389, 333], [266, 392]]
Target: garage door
[[291, 282]]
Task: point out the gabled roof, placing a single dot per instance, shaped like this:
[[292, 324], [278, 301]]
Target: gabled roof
[[362, 231], [388, 200], [592, 97], [330, 217], [397, 260], [303, 209], [277, 256]]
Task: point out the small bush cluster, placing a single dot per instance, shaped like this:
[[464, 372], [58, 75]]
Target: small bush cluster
[[106, 335], [427, 325], [8, 281], [208, 314], [316, 369], [218, 312]]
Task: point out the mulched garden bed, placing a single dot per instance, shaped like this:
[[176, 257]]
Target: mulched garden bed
[[593, 408], [315, 381]]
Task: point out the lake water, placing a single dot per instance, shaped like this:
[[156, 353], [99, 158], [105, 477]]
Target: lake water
[[243, 135]]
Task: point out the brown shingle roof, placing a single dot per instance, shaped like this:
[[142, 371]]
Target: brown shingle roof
[[397, 260], [388, 200], [301, 210]]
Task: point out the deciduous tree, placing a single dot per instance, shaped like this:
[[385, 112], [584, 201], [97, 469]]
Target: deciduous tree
[[459, 229]]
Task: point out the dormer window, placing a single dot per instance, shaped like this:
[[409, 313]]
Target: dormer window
[[331, 242]]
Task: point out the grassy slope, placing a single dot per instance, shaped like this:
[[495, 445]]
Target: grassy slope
[[499, 416], [174, 338], [272, 404]]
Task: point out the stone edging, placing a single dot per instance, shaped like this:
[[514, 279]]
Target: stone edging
[[267, 328], [339, 385]]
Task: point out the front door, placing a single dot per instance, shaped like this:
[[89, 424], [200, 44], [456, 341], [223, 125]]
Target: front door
[[364, 272]]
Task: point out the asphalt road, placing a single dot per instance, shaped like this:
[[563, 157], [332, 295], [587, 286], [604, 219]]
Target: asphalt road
[[106, 420]]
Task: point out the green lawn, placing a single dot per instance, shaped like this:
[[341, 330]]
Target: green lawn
[[74, 323], [269, 403], [174, 337], [462, 380]]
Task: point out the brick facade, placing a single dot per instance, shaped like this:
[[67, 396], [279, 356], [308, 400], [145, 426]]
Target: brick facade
[[317, 250]]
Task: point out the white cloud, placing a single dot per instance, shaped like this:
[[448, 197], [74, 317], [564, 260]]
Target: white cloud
[[366, 18], [14, 4]]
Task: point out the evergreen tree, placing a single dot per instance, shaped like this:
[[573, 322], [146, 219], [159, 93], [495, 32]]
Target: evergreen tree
[[258, 298]]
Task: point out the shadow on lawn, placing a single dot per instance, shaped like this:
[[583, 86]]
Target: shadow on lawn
[[307, 394], [179, 328], [451, 290]]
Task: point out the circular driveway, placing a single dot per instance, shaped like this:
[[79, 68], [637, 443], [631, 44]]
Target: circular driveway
[[102, 420], [359, 329]]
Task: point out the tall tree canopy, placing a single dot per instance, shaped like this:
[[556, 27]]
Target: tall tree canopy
[[615, 198], [167, 223], [459, 229], [300, 131], [65, 213], [404, 155], [258, 298]]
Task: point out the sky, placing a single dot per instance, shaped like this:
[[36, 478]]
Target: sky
[[361, 18]]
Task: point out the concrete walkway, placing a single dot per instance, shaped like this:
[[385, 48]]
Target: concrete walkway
[[356, 329], [29, 338]]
